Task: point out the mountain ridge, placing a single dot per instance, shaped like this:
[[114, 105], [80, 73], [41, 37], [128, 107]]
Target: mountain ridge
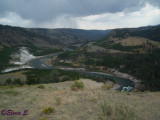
[[11, 36], [133, 39]]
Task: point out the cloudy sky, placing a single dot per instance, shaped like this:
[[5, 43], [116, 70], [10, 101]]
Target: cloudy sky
[[82, 14]]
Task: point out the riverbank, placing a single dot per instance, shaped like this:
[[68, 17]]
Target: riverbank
[[42, 63], [122, 80], [126, 76], [114, 72]]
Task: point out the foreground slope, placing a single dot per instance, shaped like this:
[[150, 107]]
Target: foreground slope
[[91, 103]]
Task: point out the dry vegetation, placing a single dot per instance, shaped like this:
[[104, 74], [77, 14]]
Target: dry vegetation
[[135, 41], [90, 103], [94, 48], [12, 76]]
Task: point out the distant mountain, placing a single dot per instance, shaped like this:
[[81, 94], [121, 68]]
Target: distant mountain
[[11, 36]]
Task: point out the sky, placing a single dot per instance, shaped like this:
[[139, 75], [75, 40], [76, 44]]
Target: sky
[[80, 14]]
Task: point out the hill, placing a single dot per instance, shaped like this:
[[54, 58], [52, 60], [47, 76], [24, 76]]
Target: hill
[[57, 101], [11, 36], [132, 39], [135, 51]]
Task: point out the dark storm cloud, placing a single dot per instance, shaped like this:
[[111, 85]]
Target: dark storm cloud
[[45, 10]]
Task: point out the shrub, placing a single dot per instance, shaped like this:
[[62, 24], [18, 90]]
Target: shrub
[[53, 76], [106, 109], [11, 92], [41, 86], [117, 112], [17, 82], [93, 99], [123, 112], [66, 78], [58, 100], [43, 119], [77, 85], [106, 87], [8, 81], [31, 79], [48, 110]]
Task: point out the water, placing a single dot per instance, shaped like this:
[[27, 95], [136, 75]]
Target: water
[[121, 81], [37, 63]]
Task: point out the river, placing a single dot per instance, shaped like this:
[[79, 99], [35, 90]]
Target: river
[[122, 82]]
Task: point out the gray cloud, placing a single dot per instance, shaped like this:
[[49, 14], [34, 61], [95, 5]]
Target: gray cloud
[[154, 2], [45, 10], [54, 13]]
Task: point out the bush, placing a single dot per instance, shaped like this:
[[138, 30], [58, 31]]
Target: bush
[[48, 110], [66, 78], [17, 82], [77, 85], [106, 87], [106, 109], [53, 76], [43, 119], [123, 112], [117, 112], [41, 86], [31, 79], [58, 100], [8, 81]]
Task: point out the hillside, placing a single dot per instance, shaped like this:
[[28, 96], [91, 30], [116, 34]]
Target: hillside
[[135, 51], [132, 39], [149, 32], [11, 36], [68, 35], [90, 103]]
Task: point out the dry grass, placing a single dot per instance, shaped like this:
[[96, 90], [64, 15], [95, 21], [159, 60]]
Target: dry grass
[[12, 76], [94, 48], [84, 104], [136, 41], [116, 51]]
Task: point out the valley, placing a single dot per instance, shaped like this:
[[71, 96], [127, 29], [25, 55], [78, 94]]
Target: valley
[[79, 59], [108, 71], [116, 53]]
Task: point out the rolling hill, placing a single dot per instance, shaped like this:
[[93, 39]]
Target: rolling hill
[[131, 39], [11, 36]]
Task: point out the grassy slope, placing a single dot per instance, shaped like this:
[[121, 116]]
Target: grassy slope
[[84, 104], [131, 39]]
